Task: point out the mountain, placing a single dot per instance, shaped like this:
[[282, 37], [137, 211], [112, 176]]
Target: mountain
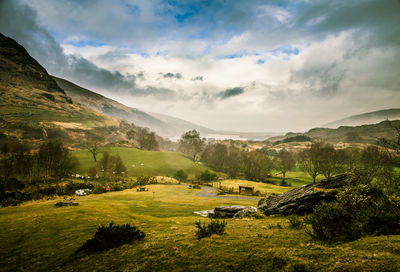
[[364, 134], [164, 125], [366, 118], [34, 107]]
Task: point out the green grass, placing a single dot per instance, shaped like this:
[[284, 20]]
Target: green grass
[[295, 178], [37, 236], [264, 188], [155, 163]]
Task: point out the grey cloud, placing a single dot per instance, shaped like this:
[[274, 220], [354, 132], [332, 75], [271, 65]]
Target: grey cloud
[[320, 80], [200, 78], [172, 75], [19, 22], [231, 92]]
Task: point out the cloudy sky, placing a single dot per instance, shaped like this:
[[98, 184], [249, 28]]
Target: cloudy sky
[[225, 64]]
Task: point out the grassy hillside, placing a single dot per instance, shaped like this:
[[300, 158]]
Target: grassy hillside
[[139, 162], [37, 236], [366, 118], [34, 107]]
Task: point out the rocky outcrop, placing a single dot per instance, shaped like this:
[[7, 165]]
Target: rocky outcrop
[[246, 212], [303, 199], [234, 211]]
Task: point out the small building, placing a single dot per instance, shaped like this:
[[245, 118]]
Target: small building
[[246, 190]]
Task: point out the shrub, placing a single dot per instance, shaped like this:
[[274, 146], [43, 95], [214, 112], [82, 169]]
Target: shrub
[[295, 222], [180, 175], [207, 176], [145, 180], [99, 190], [359, 211], [214, 227], [284, 183], [111, 236]]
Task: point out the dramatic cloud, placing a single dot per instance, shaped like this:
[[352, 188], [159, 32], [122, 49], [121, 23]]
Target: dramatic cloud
[[303, 63]]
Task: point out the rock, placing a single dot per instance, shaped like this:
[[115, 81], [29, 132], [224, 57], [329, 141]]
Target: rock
[[303, 199], [246, 212], [66, 203], [206, 213], [227, 211]]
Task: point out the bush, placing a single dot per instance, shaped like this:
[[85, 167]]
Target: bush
[[214, 227], [111, 236], [284, 183], [180, 175], [207, 176], [99, 190], [145, 180], [295, 222], [359, 211]]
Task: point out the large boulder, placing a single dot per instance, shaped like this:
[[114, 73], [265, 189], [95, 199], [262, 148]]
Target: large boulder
[[303, 199]]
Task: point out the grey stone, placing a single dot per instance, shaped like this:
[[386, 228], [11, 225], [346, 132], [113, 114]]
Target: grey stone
[[66, 203], [246, 212], [303, 199]]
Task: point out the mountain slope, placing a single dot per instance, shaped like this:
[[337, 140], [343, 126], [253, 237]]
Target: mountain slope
[[110, 107], [366, 118], [163, 125], [34, 107]]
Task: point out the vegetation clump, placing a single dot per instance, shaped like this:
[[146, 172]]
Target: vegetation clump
[[112, 236], [214, 227], [359, 211]]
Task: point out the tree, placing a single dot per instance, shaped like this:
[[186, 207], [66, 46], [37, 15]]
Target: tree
[[257, 165], [369, 163], [330, 160], [144, 138], [119, 167], [285, 162], [55, 161], [191, 144], [309, 160], [94, 145]]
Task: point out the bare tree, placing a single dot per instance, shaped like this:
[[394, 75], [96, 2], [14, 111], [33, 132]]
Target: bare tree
[[94, 146]]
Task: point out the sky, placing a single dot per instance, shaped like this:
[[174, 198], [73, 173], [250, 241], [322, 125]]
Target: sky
[[236, 65]]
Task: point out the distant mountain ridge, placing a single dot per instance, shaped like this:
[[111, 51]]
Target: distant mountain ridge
[[366, 118]]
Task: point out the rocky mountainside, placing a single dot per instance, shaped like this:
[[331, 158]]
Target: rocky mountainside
[[34, 107], [366, 118]]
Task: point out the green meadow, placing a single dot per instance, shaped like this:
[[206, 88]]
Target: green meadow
[[139, 162], [37, 236]]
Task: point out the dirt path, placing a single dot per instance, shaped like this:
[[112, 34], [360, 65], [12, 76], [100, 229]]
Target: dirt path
[[212, 192]]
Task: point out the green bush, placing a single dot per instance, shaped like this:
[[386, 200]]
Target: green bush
[[207, 176], [284, 183], [99, 190], [295, 222], [111, 236], [359, 211], [180, 175], [214, 227]]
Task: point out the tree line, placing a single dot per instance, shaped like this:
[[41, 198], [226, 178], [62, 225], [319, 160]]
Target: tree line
[[374, 162], [21, 164]]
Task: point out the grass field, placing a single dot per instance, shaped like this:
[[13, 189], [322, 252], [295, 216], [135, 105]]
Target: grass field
[[139, 162], [264, 188], [37, 236]]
